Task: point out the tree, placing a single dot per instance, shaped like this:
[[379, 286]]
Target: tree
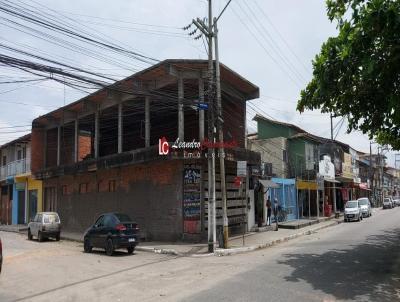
[[357, 73]]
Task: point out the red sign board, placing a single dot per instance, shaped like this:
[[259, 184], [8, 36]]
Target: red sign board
[[237, 181]]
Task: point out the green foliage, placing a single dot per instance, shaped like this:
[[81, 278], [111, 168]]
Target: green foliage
[[357, 73]]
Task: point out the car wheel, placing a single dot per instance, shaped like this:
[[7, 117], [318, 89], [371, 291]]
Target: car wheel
[[58, 237], [86, 246], [29, 234], [40, 236], [130, 250], [109, 247]]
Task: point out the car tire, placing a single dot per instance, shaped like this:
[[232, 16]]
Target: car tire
[[109, 247], [40, 236], [58, 237], [87, 248], [29, 234], [131, 249]]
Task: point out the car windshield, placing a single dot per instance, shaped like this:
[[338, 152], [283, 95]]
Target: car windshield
[[363, 202], [123, 217], [51, 218], [351, 204], [387, 200]]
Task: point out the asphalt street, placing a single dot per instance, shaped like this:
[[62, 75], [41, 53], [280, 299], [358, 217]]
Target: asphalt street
[[358, 261]]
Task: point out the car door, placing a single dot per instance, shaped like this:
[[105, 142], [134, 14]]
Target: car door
[[108, 226], [95, 231], [32, 225], [37, 223]]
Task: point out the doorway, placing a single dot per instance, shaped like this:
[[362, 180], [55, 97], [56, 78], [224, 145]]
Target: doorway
[[21, 207], [32, 203]]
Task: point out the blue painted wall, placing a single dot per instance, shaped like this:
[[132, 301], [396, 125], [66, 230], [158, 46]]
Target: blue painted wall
[[286, 195]]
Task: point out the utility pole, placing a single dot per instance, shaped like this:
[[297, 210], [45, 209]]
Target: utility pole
[[211, 132], [221, 138], [333, 158], [371, 171], [210, 31]]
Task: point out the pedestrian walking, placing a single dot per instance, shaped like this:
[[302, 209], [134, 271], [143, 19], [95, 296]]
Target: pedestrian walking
[[269, 210], [276, 212]]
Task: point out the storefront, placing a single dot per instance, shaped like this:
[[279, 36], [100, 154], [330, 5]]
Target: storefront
[[27, 198], [286, 196], [327, 172], [308, 196]]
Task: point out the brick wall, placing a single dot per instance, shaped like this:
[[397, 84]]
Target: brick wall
[[37, 153], [84, 146], [151, 194]]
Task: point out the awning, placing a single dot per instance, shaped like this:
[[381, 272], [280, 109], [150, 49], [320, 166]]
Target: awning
[[268, 183], [331, 180], [306, 185]]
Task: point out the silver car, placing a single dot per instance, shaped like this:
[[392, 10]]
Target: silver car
[[45, 225], [352, 211], [365, 204], [387, 203]]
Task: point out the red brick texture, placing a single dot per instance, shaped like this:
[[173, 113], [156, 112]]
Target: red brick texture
[[37, 153]]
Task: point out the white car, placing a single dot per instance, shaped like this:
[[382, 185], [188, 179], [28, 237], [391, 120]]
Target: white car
[[396, 202], [387, 203], [365, 204], [352, 211]]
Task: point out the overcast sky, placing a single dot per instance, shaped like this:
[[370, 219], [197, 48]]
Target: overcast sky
[[269, 42]]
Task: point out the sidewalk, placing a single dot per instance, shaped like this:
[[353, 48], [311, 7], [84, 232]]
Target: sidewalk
[[252, 241]]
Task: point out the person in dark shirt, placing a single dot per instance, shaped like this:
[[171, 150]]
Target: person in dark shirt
[[269, 210], [276, 205]]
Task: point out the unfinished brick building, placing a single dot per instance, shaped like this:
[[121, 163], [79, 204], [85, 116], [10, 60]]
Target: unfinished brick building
[[101, 153]]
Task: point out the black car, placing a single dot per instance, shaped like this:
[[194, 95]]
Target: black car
[[112, 231], [1, 255]]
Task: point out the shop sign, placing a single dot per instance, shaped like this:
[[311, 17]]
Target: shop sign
[[19, 186], [327, 168], [347, 168], [241, 168]]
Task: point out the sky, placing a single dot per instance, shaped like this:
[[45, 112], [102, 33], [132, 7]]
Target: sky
[[271, 43]]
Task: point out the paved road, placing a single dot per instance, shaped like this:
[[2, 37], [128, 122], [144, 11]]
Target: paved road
[[349, 262]]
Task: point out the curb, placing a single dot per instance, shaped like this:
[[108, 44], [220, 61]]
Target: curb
[[240, 250]]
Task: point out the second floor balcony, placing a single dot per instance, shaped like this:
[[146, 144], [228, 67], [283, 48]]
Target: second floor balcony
[[15, 168]]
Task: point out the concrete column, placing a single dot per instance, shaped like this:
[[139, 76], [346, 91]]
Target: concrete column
[[58, 145], [181, 122], [76, 145], [96, 134], [147, 121], [120, 128], [201, 112]]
